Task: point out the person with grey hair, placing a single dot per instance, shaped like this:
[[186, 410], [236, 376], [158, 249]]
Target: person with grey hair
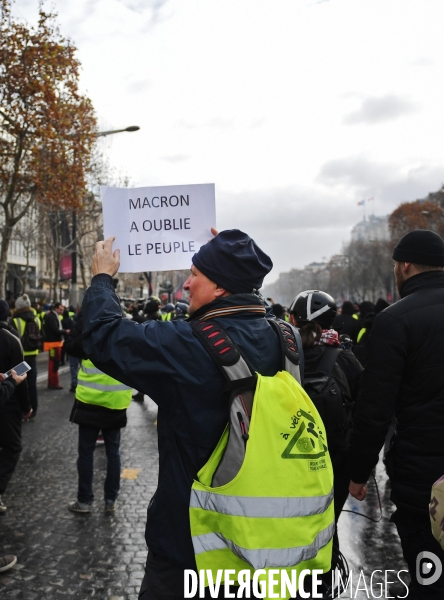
[[404, 378]]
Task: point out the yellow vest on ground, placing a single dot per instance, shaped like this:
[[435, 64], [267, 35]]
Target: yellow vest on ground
[[20, 325], [266, 518], [95, 387]]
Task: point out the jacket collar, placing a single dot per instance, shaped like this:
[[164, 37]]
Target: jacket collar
[[429, 279], [229, 306]]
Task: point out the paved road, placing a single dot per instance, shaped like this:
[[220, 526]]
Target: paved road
[[65, 554], [61, 554]]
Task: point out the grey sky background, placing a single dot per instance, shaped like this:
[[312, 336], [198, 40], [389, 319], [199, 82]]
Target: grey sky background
[[295, 109]]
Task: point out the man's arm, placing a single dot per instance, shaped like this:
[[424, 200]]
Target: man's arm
[[376, 403]]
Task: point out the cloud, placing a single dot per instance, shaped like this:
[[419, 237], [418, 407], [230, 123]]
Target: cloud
[[355, 172], [175, 158], [380, 109], [422, 61], [389, 183], [215, 123], [138, 86]]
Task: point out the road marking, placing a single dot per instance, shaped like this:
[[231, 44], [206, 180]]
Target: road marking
[[129, 473]]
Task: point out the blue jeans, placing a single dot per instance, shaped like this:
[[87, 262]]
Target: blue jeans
[[74, 365], [87, 444]]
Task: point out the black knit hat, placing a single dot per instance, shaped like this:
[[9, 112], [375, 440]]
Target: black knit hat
[[4, 310], [233, 261], [422, 247]]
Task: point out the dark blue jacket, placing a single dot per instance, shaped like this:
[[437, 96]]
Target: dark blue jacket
[[168, 363]]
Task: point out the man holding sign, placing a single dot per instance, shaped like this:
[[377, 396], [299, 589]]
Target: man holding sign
[[167, 362]]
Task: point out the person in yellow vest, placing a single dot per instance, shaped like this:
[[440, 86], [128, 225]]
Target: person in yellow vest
[[166, 361], [100, 406], [23, 314]]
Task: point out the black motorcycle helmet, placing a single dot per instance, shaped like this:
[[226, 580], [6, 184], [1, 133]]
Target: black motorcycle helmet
[[314, 305]]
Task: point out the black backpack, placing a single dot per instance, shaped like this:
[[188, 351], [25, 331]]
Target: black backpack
[[32, 338], [334, 406]]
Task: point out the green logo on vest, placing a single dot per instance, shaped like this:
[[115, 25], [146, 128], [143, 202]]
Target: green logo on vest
[[306, 441]]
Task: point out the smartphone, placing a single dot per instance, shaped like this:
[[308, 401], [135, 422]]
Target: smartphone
[[20, 369]]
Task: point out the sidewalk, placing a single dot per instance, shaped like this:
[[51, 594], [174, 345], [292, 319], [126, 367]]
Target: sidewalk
[[65, 554]]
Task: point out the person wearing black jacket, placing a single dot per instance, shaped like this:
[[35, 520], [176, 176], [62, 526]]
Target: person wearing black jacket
[[404, 377], [7, 388], [54, 335], [15, 402], [348, 322]]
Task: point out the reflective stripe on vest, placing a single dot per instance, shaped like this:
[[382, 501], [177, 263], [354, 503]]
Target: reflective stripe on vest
[[277, 512], [95, 387], [360, 334], [265, 557], [253, 506]]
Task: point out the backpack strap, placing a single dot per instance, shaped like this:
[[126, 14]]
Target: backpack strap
[[290, 347], [328, 360], [225, 353]]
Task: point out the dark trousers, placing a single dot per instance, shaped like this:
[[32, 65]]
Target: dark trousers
[[164, 580], [10, 445], [53, 367], [32, 382], [85, 463], [416, 536], [74, 365]]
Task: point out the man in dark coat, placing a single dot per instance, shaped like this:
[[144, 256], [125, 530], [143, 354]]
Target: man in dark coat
[[11, 411], [168, 363], [404, 377], [54, 336], [7, 389], [348, 322]]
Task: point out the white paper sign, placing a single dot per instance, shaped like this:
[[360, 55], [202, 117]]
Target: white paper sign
[[158, 228]]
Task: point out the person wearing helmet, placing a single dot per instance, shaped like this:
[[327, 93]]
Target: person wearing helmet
[[313, 312], [168, 312], [181, 311]]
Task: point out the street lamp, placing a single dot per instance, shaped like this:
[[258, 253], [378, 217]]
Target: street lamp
[[74, 290], [130, 128], [141, 281]]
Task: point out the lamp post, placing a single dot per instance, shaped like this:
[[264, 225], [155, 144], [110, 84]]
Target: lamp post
[[74, 289], [141, 280]]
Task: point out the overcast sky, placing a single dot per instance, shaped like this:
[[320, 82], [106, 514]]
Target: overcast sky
[[295, 109]]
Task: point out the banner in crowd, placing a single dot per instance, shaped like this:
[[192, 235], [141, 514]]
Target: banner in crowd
[[158, 228]]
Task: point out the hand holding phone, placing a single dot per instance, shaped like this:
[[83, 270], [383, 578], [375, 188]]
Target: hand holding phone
[[18, 378], [20, 369]]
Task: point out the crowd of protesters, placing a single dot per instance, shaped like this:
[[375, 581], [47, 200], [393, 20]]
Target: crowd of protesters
[[385, 361]]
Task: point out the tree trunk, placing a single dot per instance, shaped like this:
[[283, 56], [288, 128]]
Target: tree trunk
[[6, 233]]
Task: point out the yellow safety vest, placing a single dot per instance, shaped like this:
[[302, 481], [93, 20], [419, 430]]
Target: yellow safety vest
[[20, 325], [277, 512], [95, 387]]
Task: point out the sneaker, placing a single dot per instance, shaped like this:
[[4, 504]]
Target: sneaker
[[3, 508], [72, 389], [110, 506], [100, 441], [6, 562], [79, 507], [55, 387]]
